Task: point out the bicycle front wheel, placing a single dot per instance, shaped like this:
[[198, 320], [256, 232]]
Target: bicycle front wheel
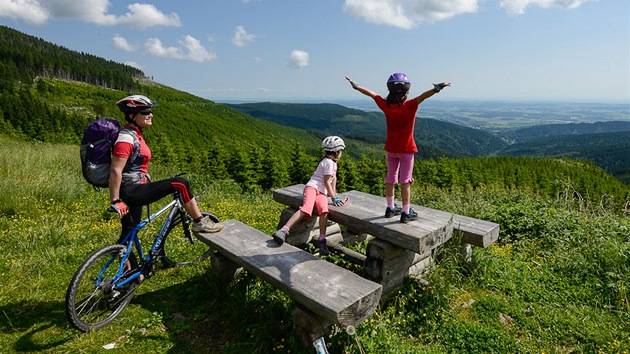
[[91, 300], [179, 250]]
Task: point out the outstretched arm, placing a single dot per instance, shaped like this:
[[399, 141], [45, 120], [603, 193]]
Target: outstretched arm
[[428, 93], [361, 89]]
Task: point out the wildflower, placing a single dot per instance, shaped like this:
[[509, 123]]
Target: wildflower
[[350, 330]]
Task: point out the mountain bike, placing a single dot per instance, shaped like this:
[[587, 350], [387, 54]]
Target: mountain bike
[[104, 284]]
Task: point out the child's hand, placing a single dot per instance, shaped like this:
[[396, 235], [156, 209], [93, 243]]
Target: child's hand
[[339, 202], [352, 83], [438, 87]]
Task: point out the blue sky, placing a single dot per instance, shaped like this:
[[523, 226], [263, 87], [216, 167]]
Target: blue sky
[[298, 50]]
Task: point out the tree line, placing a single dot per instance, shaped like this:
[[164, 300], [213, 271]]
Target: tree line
[[24, 57]]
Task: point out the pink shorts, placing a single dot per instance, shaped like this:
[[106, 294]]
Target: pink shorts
[[402, 162], [314, 198]]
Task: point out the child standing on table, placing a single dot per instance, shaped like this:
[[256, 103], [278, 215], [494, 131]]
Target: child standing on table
[[322, 184], [400, 116]]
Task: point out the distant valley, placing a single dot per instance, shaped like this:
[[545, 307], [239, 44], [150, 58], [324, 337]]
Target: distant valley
[[594, 132]]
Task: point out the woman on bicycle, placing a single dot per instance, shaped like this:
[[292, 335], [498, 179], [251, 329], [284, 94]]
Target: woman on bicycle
[[130, 186]]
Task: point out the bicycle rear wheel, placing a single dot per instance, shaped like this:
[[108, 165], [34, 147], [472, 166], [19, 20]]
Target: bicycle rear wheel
[[91, 301], [178, 249]]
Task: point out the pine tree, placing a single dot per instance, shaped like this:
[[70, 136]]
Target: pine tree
[[217, 156], [301, 166]]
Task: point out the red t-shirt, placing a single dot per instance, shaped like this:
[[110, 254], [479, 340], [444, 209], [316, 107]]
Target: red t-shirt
[[123, 147], [400, 120]]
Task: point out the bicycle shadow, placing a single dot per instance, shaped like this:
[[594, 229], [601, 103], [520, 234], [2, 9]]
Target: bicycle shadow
[[43, 333], [198, 315]]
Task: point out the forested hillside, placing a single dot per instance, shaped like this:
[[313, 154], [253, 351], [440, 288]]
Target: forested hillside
[[24, 57], [437, 138], [198, 135], [549, 130], [608, 150]]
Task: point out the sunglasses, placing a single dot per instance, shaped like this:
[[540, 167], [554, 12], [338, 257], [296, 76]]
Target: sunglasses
[[146, 113]]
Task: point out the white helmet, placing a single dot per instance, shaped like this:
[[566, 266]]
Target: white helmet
[[135, 104], [333, 143]]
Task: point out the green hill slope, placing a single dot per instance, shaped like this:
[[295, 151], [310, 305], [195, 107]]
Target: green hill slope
[[608, 150], [446, 139], [549, 130]]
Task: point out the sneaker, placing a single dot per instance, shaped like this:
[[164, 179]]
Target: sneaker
[[389, 212], [205, 225], [321, 245], [280, 236], [405, 218]]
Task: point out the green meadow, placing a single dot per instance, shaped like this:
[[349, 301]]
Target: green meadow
[[556, 281]]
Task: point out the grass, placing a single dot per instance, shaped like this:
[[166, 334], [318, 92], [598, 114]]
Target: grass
[[556, 282]]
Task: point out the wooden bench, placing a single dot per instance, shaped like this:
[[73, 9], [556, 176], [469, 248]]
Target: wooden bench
[[365, 213], [399, 249], [330, 294]]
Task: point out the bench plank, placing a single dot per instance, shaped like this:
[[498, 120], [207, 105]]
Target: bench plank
[[365, 213], [477, 232], [332, 292]]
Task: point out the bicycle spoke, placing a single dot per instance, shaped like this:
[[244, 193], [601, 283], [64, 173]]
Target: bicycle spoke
[[92, 305]]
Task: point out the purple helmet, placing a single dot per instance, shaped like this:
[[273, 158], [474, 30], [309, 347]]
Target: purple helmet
[[398, 82]]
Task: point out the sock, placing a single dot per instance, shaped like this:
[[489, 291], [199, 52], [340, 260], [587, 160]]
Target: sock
[[198, 219], [322, 237], [390, 202], [285, 228], [405, 208]]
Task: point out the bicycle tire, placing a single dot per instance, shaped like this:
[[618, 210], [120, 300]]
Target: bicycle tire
[[178, 250], [91, 306]]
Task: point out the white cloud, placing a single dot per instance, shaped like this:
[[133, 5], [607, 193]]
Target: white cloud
[[190, 49], [28, 11], [517, 7], [153, 46], [140, 16], [298, 59], [93, 11], [195, 51], [241, 37], [121, 43], [143, 16], [407, 14]]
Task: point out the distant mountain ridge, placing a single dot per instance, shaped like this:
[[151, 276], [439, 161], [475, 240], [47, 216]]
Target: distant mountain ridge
[[550, 130], [452, 139]]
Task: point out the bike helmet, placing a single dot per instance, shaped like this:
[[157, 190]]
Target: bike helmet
[[333, 144], [398, 82], [135, 104]]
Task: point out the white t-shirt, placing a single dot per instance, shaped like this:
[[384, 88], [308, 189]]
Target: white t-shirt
[[326, 167]]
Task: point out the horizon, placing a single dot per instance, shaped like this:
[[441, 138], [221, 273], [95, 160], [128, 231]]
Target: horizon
[[493, 115], [369, 101]]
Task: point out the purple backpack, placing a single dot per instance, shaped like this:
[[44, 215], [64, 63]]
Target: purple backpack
[[96, 150]]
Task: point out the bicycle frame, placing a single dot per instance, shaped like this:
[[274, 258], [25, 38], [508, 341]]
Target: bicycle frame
[[133, 241]]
